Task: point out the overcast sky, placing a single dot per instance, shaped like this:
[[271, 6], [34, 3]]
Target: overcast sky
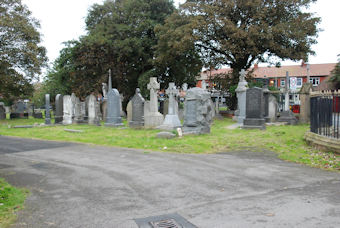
[[63, 20]]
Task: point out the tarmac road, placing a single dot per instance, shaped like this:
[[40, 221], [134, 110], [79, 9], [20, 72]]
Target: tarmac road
[[78, 185]]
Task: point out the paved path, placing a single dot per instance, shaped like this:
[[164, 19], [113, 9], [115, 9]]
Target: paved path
[[76, 185]]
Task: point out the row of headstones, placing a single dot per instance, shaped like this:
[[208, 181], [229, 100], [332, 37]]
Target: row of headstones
[[198, 110], [256, 106]]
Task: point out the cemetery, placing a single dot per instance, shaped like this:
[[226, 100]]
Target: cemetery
[[169, 114]]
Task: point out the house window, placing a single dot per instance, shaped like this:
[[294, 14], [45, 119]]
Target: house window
[[314, 81], [299, 82], [282, 81]]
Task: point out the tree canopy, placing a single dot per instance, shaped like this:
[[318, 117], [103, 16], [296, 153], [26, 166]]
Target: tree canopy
[[121, 36], [239, 33], [21, 56]]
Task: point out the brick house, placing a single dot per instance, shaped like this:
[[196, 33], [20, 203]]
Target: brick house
[[276, 76]]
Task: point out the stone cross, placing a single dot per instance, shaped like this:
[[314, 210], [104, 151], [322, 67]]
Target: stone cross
[[172, 92], [104, 88], [47, 106], [153, 86]]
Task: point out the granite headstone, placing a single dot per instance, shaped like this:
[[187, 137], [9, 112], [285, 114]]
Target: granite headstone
[[137, 118], [254, 109]]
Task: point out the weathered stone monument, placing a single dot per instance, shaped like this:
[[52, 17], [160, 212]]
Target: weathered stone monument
[[305, 102], [47, 112], [19, 110], [59, 109], [129, 111], [171, 120], [137, 106], [113, 118], [266, 94], [287, 115], [93, 110], [197, 112], [78, 111], [153, 118], [241, 97], [272, 108], [67, 109], [254, 109], [2, 111]]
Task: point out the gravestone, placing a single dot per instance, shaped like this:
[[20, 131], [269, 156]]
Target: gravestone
[[272, 108], [58, 119], [185, 87], [171, 120], [129, 111], [122, 113], [93, 110], [305, 102], [153, 118], [48, 112], [113, 118], [67, 109], [19, 111], [254, 109], [287, 115], [241, 98], [197, 112], [266, 94], [166, 107], [86, 115], [137, 118], [2, 111], [78, 111]]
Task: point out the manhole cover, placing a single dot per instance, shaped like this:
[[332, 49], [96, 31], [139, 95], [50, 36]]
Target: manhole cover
[[164, 221], [168, 223]]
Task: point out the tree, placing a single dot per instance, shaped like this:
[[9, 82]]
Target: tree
[[21, 56], [239, 33], [336, 74]]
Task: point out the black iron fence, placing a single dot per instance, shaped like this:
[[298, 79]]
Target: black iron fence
[[325, 110]]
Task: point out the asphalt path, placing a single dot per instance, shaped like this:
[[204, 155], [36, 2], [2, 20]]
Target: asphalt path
[[78, 185]]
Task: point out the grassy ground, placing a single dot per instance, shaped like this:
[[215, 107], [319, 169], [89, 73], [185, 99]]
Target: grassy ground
[[11, 200], [286, 141]]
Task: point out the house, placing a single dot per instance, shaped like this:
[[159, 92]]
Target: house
[[276, 76]]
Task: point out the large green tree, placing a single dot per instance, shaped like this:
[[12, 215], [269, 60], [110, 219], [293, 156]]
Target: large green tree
[[21, 56], [239, 33]]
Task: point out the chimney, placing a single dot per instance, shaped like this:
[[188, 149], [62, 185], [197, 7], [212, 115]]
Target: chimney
[[303, 64], [256, 66]]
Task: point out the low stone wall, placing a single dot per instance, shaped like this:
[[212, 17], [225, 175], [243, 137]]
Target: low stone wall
[[322, 142]]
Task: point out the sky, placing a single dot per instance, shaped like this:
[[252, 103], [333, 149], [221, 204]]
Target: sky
[[64, 20]]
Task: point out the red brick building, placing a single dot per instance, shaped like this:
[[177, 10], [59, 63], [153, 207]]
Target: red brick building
[[277, 75]]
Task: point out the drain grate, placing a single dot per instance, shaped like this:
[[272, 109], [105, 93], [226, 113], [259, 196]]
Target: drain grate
[[168, 223], [164, 221]]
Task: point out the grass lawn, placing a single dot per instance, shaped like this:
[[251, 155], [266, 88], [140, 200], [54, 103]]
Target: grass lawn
[[286, 141], [11, 200]]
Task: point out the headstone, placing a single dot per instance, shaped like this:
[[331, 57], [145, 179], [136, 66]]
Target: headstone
[[153, 118], [272, 108], [137, 118], [86, 115], [2, 111], [67, 109], [254, 109], [47, 113], [266, 94], [241, 98], [129, 111], [93, 110], [19, 111], [185, 87], [204, 85], [78, 111], [104, 89], [58, 109], [287, 115], [197, 112], [171, 120], [166, 107], [305, 102], [113, 118]]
